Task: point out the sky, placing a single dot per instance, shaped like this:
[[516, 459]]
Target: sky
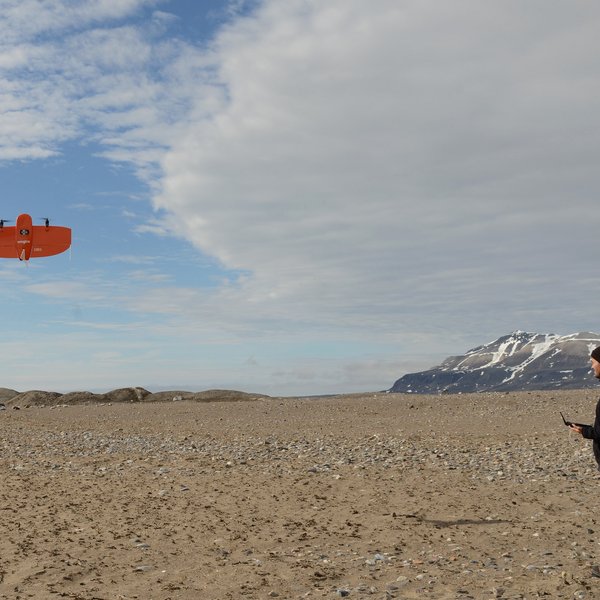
[[294, 198]]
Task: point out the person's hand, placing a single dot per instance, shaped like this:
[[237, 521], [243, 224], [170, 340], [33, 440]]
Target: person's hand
[[576, 429]]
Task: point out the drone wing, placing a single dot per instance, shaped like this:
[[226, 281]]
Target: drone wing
[[48, 241], [7, 243]]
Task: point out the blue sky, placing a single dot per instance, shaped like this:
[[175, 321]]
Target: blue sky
[[293, 197]]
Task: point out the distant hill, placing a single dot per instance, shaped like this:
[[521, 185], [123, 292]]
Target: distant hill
[[515, 362], [12, 398]]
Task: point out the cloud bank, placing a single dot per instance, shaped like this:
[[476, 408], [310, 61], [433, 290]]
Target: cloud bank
[[415, 168]]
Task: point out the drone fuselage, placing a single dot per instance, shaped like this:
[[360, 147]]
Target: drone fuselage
[[26, 240]]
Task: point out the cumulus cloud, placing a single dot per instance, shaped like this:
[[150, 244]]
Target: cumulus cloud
[[412, 165]]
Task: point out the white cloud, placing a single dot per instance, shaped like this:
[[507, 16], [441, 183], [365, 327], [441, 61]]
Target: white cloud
[[27, 19], [393, 167], [74, 70], [67, 290], [154, 227]]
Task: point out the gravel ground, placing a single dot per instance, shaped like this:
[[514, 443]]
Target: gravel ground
[[359, 496]]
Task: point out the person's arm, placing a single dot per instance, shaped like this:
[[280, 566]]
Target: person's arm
[[587, 431]]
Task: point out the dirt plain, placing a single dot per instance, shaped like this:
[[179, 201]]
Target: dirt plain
[[360, 496]]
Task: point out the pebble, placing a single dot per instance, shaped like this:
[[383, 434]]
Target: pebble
[[142, 568], [527, 459]]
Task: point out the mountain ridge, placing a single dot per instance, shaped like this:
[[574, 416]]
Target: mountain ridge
[[519, 361]]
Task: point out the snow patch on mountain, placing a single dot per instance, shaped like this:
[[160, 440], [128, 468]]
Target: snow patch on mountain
[[518, 361]]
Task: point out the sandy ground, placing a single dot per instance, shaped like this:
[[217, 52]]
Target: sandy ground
[[362, 496]]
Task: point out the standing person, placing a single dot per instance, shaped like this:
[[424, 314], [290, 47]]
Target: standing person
[[592, 432]]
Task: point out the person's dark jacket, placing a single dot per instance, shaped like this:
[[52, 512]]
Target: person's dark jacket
[[592, 432]]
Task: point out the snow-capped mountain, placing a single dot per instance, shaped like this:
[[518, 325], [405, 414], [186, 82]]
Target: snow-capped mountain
[[519, 361]]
